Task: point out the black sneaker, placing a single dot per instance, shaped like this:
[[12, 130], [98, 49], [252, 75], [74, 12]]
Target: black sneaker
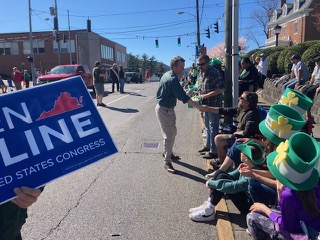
[[204, 150], [101, 105], [210, 155], [215, 164]]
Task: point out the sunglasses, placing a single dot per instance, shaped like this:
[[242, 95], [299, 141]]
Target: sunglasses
[[202, 64], [242, 98]]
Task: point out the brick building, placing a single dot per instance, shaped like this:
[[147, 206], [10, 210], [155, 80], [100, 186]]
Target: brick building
[[83, 47], [298, 21]]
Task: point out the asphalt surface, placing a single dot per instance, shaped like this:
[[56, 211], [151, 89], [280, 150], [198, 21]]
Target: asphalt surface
[[129, 195]]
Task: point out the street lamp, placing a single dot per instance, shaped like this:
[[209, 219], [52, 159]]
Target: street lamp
[[197, 20], [195, 56], [277, 30]]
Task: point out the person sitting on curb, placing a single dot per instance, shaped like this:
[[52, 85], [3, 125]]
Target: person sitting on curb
[[293, 165], [262, 185], [248, 78], [310, 90], [299, 73], [232, 184], [248, 119]]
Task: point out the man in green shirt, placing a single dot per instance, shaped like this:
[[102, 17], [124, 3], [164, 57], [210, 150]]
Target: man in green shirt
[[13, 214], [169, 91]]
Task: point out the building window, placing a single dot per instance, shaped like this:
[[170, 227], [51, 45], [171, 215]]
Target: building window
[[123, 57], [284, 12], [284, 31], [64, 47], [38, 47], [295, 27], [119, 56], [107, 52], [296, 5], [9, 48], [275, 15]]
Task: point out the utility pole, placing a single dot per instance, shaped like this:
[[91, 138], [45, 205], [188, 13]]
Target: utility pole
[[56, 27], [228, 62], [69, 42], [235, 50], [198, 24], [34, 80]]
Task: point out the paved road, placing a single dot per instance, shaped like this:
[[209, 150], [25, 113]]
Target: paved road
[[129, 194]]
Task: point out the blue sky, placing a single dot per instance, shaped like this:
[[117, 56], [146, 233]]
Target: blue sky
[[134, 23]]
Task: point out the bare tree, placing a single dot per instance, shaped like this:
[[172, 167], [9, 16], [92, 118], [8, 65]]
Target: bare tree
[[261, 15], [316, 16]]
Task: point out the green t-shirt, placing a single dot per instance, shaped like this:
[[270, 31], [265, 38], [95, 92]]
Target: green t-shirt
[[12, 218]]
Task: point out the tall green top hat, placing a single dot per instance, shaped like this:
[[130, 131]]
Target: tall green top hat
[[281, 122], [294, 160], [296, 100]]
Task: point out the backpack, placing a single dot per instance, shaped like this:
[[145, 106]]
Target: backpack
[[263, 113]]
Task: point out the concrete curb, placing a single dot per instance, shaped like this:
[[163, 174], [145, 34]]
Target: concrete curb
[[223, 226]]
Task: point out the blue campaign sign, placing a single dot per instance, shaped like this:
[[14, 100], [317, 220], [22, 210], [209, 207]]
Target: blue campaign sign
[[49, 131]]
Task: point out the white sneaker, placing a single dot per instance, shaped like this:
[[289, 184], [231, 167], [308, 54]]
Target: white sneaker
[[201, 207], [206, 215], [210, 175]]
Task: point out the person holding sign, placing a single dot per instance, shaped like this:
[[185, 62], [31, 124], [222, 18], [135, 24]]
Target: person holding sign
[[13, 214]]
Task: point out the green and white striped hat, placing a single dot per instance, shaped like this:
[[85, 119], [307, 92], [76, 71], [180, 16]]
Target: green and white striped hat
[[281, 122], [293, 162], [296, 100]]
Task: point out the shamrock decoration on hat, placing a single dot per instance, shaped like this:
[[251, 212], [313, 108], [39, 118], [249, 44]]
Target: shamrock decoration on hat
[[293, 163], [296, 100], [281, 122]]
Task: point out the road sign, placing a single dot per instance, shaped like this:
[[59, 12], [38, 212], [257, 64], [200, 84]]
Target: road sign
[[47, 132]]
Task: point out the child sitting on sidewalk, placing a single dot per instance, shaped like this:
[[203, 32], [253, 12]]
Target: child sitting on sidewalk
[[292, 164], [233, 184]]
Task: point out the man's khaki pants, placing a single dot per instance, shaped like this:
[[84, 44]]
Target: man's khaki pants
[[167, 121]]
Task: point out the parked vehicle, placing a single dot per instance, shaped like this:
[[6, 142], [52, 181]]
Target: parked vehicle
[[64, 71], [133, 75]]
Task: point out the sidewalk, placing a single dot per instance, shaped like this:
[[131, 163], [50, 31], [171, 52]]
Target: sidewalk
[[231, 225]]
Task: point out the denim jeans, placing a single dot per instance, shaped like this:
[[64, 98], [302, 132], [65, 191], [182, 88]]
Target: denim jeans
[[121, 82], [261, 193], [211, 122], [290, 84]]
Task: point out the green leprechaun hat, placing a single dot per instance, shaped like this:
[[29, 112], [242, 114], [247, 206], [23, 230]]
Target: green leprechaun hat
[[246, 149], [296, 100], [293, 162], [281, 122]]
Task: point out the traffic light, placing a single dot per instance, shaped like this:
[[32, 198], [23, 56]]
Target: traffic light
[[65, 39], [30, 59], [208, 33], [216, 27], [179, 42], [157, 43]]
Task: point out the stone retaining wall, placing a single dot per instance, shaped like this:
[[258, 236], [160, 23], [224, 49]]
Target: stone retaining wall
[[272, 93]]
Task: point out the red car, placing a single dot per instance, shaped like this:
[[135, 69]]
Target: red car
[[65, 71]]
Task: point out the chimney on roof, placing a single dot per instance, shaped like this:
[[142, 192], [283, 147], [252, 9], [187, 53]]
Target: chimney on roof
[[282, 2]]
